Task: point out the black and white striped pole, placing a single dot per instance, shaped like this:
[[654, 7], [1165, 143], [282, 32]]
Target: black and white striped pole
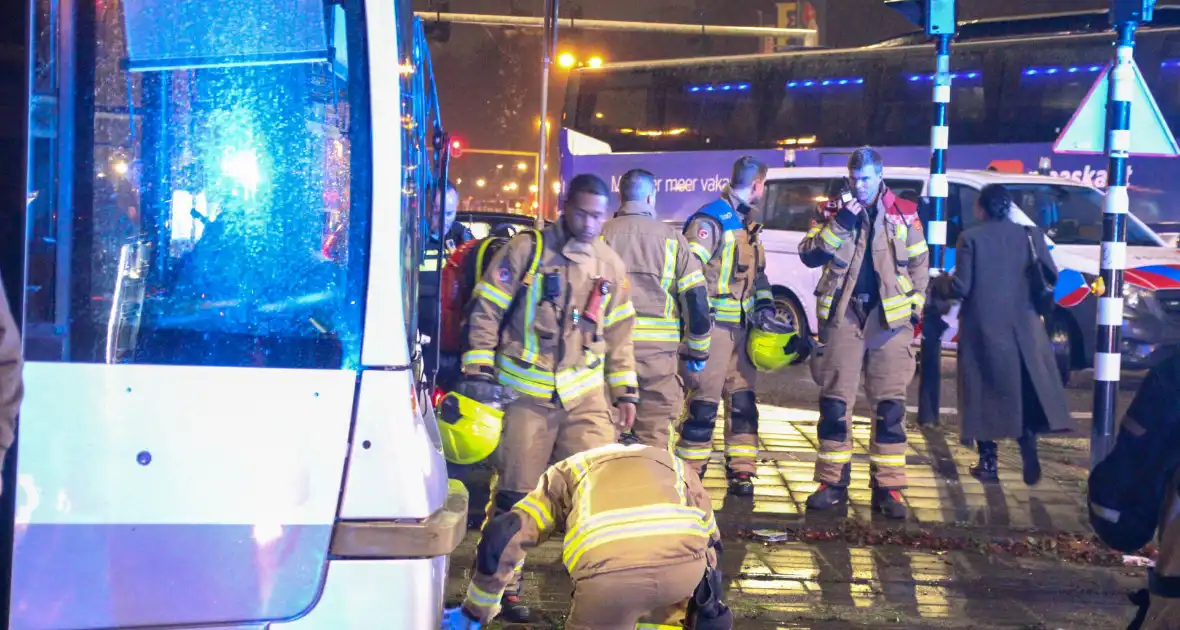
[[1125, 16], [937, 17], [930, 379]]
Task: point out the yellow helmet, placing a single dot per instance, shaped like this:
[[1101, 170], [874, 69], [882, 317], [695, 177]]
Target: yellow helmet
[[470, 429], [773, 351]]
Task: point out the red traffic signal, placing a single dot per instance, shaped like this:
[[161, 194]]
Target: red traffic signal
[[457, 146]]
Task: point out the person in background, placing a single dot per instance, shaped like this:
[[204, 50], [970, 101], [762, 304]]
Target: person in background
[[455, 234], [1009, 385]]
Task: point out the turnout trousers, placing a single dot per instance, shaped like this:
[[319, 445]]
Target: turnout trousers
[[652, 598], [729, 374], [538, 433], [885, 360], [661, 399]]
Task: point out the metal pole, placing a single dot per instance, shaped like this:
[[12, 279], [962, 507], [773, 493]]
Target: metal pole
[[549, 47], [695, 30], [930, 383], [1108, 358]]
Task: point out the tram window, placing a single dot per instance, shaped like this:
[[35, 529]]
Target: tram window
[[206, 205]]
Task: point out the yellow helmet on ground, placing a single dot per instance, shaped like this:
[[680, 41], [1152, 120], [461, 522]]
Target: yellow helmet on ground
[[470, 429], [773, 351]]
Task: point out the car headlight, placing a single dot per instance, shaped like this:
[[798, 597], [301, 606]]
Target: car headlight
[[1133, 296]]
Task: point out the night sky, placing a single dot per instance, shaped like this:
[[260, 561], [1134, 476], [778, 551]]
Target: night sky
[[489, 77]]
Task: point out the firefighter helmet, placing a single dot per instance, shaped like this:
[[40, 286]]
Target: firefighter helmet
[[470, 429], [773, 351]]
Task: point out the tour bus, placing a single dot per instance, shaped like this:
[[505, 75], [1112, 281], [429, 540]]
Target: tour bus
[[223, 424], [1016, 83], [1070, 213]]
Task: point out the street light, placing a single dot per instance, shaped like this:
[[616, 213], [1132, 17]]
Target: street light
[[566, 60], [522, 166], [533, 188], [499, 167], [481, 182], [594, 62]]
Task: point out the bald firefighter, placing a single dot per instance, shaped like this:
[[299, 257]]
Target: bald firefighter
[[669, 293], [551, 322], [640, 544], [726, 240], [871, 292]]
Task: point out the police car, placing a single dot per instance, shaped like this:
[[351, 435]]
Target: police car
[[1069, 213]]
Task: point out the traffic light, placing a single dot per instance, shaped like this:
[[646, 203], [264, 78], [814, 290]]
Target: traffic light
[[936, 16], [439, 31], [457, 146]]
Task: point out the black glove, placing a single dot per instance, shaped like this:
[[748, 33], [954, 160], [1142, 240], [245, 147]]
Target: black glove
[[482, 389], [769, 321]]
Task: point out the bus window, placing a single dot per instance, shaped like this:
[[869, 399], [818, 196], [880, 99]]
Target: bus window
[[820, 103], [612, 105], [791, 204], [1043, 87], [904, 105]]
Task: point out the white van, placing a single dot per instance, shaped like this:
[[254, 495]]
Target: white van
[[1071, 215]]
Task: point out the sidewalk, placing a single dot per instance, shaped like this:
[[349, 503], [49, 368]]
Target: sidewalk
[[969, 556]]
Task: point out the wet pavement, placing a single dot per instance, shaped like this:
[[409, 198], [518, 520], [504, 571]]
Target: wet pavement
[[970, 555]]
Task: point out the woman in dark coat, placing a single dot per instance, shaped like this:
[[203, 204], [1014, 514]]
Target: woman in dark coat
[[1009, 386]]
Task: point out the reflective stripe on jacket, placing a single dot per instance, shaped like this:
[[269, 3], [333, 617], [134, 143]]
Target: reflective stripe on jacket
[[899, 254], [667, 282], [550, 345], [733, 257], [623, 507]]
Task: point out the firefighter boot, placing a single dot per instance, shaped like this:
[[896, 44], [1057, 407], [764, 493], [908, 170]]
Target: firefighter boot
[[1028, 457], [986, 470], [741, 484], [888, 501], [512, 608], [829, 496]]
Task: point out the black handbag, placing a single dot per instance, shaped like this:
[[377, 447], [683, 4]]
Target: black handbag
[[1040, 288]]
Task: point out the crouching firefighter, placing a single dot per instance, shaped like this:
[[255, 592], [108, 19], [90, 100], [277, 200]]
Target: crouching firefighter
[[552, 320], [871, 292], [1135, 492], [640, 544], [724, 237]]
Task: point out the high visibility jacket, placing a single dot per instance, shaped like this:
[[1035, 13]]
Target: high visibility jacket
[[899, 255], [622, 507], [11, 381], [667, 283], [553, 317], [734, 260], [1163, 613]]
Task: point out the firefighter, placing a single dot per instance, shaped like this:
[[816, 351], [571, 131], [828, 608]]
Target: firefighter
[[723, 236], [668, 291], [871, 292], [455, 234], [1134, 493], [640, 538], [11, 381], [552, 319]]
